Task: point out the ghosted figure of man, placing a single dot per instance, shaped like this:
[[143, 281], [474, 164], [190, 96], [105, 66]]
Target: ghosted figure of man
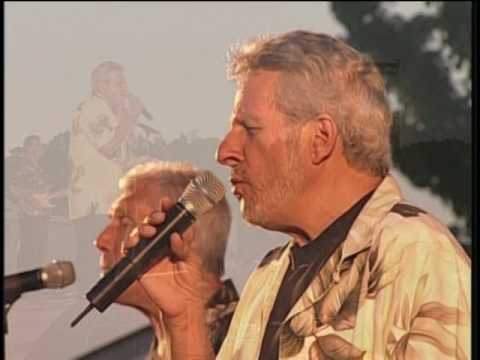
[[98, 155], [30, 189], [365, 275], [143, 189]]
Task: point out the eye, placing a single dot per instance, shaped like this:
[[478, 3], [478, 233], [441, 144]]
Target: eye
[[126, 221], [123, 224], [251, 130], [126, 227]]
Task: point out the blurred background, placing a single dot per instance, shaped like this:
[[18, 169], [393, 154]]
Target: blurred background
[[174, 55]]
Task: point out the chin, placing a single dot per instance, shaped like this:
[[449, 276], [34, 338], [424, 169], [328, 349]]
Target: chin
[[246, 211], [251, 215], [260, 217]]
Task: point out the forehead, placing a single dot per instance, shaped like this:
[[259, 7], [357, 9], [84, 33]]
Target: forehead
[[116, 75], [256, 94], [132, 205]]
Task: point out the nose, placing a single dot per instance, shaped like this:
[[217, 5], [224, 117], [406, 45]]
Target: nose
[[104, 241], [230, 151]]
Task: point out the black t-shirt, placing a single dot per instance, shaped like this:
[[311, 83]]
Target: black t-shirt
[[305, 263]]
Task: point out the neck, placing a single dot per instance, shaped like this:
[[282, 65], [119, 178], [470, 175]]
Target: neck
[[160, 333], [154, 315], [327, 200]]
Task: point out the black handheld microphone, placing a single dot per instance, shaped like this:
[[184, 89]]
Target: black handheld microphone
[[201, 194], [57, 274]]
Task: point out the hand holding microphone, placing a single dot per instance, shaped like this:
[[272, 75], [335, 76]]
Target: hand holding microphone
[[133, 106], [131, 109], [184, 281]]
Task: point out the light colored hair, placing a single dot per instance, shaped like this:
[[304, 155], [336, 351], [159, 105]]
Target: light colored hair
[[171, 178], [321, 74], [102, 72]]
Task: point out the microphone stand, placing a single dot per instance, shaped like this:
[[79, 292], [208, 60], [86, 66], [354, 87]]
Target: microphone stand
[[10, 298]]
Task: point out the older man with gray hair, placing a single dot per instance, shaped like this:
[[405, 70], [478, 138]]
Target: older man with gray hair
[[101, 128], [142, 190], [365, 275]]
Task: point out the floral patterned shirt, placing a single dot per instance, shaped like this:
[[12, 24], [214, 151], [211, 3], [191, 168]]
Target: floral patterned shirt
[[305, 263], [398, 287], [93, 176]]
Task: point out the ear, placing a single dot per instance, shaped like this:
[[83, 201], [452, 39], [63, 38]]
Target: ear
[[323, 138], [189, 235]]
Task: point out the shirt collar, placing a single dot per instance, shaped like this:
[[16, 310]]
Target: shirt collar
[[359, 237], [329, 239]]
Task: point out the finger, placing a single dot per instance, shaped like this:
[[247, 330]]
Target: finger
[[166, 203], [147, 230], [131, 240], [178, 246], [188, 236], [144, 231], [155, 218]]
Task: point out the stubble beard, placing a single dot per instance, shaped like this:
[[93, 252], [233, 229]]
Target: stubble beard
[[272, 195]]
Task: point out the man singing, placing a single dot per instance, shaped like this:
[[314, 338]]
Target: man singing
[[365, 274]]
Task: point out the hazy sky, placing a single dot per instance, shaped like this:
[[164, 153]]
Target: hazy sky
[[174, 55]]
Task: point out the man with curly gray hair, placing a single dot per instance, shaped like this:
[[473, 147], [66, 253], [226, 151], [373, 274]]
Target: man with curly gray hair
[[365, 274]]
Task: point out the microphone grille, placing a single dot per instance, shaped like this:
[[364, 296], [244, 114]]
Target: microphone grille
[[58, 274], [202, 193]]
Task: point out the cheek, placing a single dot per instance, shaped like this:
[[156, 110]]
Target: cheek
[[116, 251], [113, 254], [260, 161], [273, 155]]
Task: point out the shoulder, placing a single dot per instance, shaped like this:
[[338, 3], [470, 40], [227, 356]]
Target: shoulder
[[273, 254], [408, 229], [93, 106], [93, 115], [411, 246]]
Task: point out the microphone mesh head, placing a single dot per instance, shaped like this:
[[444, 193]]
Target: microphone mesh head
[[202, 193], [58, 274]]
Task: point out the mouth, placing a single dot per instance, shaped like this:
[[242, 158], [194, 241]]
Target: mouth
[[237, 184], [104, 270]]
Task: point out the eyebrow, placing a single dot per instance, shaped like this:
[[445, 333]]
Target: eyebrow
[[121, 214], [118, 211], [246, 119]]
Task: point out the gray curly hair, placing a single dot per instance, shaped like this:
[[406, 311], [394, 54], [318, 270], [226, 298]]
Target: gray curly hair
[[321, 74]]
